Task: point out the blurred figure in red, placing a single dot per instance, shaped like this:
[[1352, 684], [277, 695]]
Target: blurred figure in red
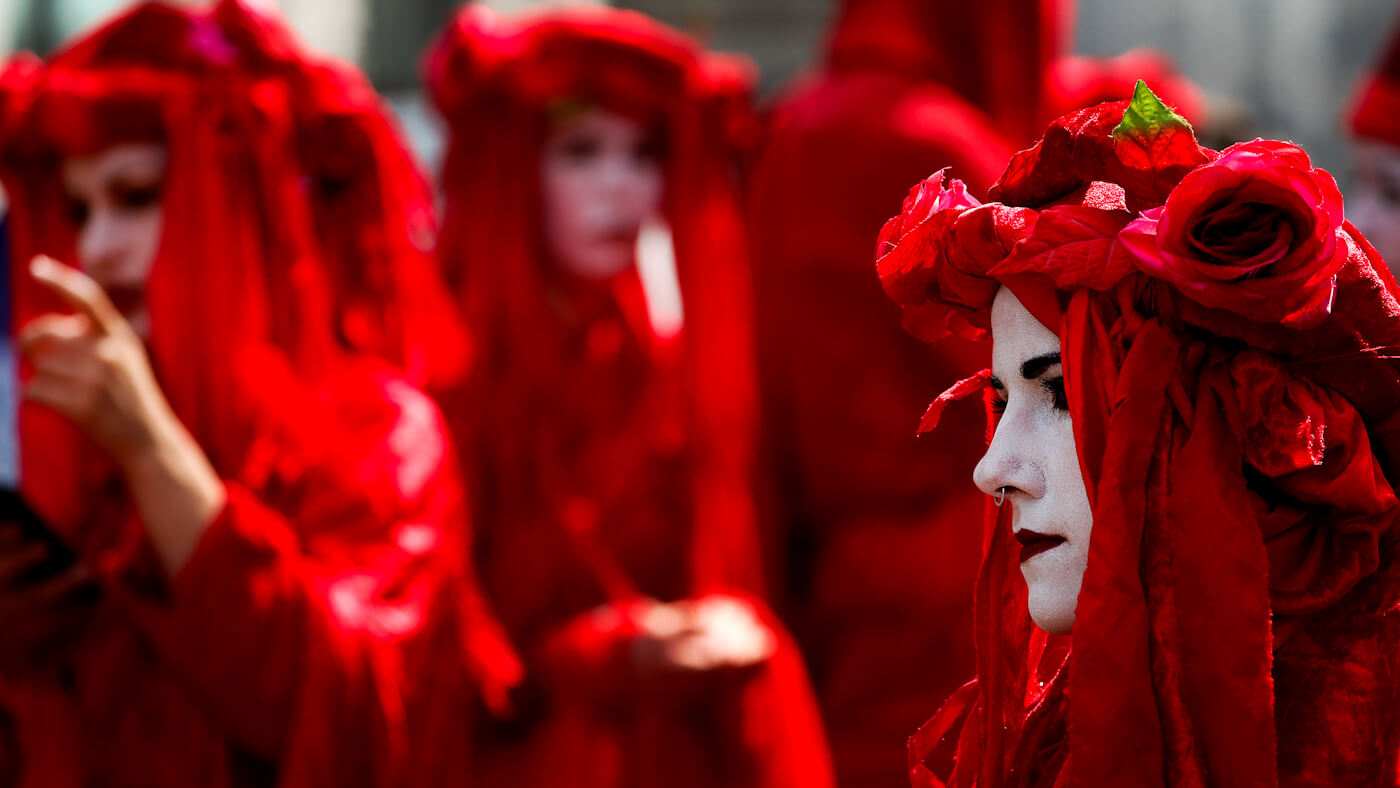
[[260, 570], [593, 228], [878, 548], [1374, 201]]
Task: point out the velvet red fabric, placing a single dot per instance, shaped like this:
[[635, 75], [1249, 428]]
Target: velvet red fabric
[[610, 462], [1237, 620], [296, 645], [873, 555], [1375, 110]]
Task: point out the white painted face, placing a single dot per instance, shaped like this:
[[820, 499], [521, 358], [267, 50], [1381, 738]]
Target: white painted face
[[1373, 203], [1032, 457], [601, 178], [114, 201]]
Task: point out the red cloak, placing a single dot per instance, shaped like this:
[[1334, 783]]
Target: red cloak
[[611, 462], [322, 630], [875, 555]]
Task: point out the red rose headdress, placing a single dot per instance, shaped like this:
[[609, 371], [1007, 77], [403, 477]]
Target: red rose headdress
[[1228, 348]]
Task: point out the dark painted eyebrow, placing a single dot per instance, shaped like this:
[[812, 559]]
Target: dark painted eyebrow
[[995, 382], [1033, 368]]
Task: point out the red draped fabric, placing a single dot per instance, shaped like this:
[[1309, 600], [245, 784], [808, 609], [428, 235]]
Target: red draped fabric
[[877, 543], [610, 462], [316, 635]]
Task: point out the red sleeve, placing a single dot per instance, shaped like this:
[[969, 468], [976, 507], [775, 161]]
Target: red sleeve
[[308, 629], [589, 659]]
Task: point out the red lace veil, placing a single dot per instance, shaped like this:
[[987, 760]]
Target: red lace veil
[[1238, 468], [496, 81]]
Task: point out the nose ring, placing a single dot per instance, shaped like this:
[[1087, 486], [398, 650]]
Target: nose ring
[[1000, 497]]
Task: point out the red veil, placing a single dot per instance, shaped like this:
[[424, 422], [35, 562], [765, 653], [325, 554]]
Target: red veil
[[292, 260], [611, 460], [1236, 625]]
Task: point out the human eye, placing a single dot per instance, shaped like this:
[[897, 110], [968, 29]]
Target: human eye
[[1056, 387]]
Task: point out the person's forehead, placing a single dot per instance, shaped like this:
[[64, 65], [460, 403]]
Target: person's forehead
[[118, 158], [1016, 334]]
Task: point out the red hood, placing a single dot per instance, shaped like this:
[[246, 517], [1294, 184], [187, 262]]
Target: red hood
[[992, 53]]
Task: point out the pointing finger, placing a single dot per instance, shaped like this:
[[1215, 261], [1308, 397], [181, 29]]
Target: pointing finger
[[79, 290]]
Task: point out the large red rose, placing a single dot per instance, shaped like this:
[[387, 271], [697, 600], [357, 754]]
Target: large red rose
[[934, 256], [1258, 232]]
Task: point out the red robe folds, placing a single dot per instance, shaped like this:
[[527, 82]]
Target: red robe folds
[[326, 630], [879, 537], [612, 462]]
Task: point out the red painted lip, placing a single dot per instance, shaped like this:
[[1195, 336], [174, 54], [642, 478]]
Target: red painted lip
[[1033, 543]]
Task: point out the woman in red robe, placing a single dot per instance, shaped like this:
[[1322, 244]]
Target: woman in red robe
[[1190, 574], [610, 420], [873, 560], [268, 580]]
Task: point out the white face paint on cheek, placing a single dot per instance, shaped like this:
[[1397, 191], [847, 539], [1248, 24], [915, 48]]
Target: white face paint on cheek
[[599, 184], [1033, 457], [119, 218]]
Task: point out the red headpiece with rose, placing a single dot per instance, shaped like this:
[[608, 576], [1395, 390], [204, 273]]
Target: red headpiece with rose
[[1228, 350]]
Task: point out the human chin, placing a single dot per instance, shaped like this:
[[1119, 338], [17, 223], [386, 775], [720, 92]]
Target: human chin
[[1054, 572], [600, 258]]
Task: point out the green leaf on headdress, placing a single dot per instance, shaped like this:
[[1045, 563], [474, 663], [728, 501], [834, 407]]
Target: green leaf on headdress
[[1148, 117]]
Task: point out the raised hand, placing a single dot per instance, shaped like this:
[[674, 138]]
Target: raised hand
[[92, 368]]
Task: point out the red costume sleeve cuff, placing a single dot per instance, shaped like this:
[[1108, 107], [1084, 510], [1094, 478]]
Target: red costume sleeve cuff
[[590, 658], [238, 618]]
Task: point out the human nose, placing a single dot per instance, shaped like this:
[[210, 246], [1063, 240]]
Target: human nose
[[100, 245], [1009, 466]]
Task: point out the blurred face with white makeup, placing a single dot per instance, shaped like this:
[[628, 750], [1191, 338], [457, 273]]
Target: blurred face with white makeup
[[602, 177], [114, 202]]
